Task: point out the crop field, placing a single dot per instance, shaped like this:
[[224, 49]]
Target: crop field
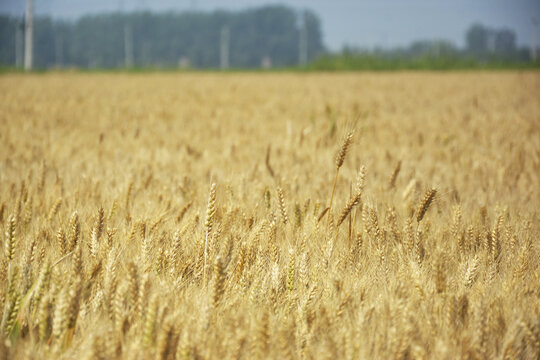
[[270, 216]]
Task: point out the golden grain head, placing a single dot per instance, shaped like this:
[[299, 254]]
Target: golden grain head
[[424, 205], [340, 158]]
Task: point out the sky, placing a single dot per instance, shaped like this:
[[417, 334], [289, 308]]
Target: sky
[[362, 23]]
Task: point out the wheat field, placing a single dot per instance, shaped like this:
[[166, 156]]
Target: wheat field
[[270, 216]]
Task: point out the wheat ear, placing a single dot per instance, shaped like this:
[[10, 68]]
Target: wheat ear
[[208, 223], [339, 162], [424, 205]]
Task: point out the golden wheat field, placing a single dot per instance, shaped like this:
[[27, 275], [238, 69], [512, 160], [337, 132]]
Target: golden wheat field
[[270, 216]]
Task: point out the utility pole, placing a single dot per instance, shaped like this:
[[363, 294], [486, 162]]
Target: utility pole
[[436, 45], [29, 35], [18, 44], [302, 45], [533, 39], [145, 53], [59, 45], [128, 46], [224, 48], [491, 41]]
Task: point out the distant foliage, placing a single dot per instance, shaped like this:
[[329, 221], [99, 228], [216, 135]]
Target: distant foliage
[[166, 39], [485, 48]]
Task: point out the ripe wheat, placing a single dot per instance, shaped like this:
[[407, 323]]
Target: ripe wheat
[[117, 242]]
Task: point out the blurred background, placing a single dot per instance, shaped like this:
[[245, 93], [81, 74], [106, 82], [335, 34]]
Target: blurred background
[[303, 34]]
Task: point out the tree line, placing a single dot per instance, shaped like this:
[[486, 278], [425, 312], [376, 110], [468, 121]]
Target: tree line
[[268, 35], [485, 47]]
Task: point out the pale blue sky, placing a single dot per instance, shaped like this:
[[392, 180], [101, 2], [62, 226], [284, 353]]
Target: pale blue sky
[[356, 22]]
